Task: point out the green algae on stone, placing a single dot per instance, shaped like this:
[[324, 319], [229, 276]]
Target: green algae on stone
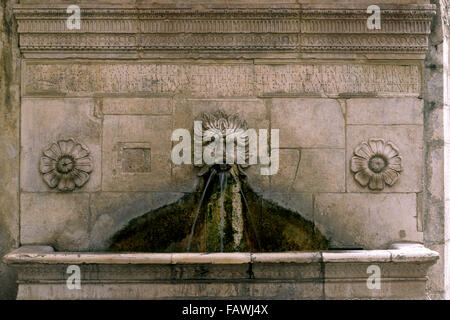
[[235, 220]]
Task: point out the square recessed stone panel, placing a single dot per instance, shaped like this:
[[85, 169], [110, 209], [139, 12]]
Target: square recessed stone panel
[[134, 157], [308, 123], [59, 220], [370, 221], [385, 111], [302, 203], [136, 153], [254, 111], [321, 170], [45, 121], [408, 139]]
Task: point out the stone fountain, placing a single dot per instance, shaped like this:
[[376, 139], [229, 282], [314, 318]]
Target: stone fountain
[[245, 247], [356, 192]]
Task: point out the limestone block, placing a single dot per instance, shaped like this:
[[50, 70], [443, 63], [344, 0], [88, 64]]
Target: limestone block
[[288, 271], [211, 258], [209, 271], [284, 179], [435, 172], [385, 111], [446, 217], [434, 224], [44, 121], [286, 257], [321, 170], [296, 202], [256, 181], [137, 106], [290, 275], [434, 126], [168, 290], [369, 221], [398, 290], [57, 219], [111, 211], [408, 139], [446, 119], [144, 143], [308, 123], [194, 80], [253, 111], [336, 80]]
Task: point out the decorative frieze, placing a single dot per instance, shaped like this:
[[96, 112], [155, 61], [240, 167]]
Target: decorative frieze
[[224, 80], [248, 30]]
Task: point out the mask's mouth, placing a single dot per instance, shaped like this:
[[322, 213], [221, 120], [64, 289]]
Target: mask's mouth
[[222, 167]]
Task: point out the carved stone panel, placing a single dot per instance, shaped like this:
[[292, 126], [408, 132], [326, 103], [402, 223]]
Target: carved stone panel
[[224, 80], [239, 29]]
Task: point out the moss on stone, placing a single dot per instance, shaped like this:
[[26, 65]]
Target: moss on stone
[[267, 226]]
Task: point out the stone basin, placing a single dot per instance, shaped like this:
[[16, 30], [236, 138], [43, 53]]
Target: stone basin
[[43, 274]]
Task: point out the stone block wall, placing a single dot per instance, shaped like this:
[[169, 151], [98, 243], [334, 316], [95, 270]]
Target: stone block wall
[[121, 89], [123, 105]]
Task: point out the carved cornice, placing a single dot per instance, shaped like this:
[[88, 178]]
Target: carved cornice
[[292, 30]]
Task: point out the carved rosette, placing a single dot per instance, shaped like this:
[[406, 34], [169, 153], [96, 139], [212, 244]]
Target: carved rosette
[[376, 163], [66, 164]]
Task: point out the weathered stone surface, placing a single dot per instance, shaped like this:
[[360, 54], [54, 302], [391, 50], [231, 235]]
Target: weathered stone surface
[[9, 145], [316, 74], [254, 111], [45, 121], [150, 134], [366, 221], [399, 290], [435, 96], [435, 170], [283, 180], [385, 111], [321, 170], [296, 202], [137, 106], [289, 275], [111, 211], [435, 275], [221, 80], [409, 140], [57, 219], [299, 121]]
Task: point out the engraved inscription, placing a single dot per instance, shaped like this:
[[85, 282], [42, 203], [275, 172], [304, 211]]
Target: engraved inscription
[[86, 79], [234, 80], [330, 79]]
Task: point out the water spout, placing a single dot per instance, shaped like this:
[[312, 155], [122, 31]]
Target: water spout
[[211, 175]]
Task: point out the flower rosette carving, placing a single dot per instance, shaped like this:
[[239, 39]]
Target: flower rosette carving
[[66, 164], [376, 163]]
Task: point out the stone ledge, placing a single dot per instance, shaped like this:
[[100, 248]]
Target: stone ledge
[[42, 274], [46, 255]]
